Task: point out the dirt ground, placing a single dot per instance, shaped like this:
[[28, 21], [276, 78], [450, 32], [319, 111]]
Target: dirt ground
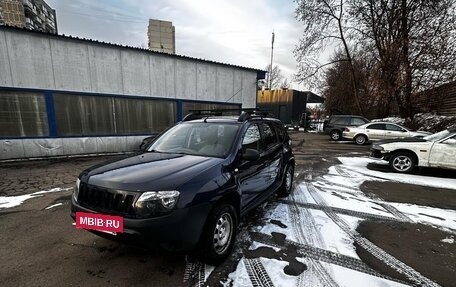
[[417, 245]]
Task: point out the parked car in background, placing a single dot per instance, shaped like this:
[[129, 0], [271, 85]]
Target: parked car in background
[[192, 185], [379, 131], [436, 150], [335, 125]]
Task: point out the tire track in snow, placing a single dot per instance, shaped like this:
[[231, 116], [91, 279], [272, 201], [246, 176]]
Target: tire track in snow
[[257, 273], [373, 249], [359, 214], [388, 207], [319, 254], [306, 231], [194, 273]]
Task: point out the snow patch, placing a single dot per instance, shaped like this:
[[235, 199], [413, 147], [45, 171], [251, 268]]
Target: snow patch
[[13, 201], [54, 205], [449, 240]]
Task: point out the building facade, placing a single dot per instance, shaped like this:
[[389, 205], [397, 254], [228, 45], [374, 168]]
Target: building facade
[[31, 14], [63, 96], [162, 37]]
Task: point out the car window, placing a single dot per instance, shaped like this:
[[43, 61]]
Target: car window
[[451, 141], [269, 135], [376, 127], [357, 121], [205, 139], [252, 138], [280, 133], [395, 128], [340, 121]]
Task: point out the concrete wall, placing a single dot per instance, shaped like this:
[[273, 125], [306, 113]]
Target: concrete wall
[[51, 147], [30, 60]]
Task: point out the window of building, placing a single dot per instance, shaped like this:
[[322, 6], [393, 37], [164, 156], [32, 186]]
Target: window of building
[[23, 114], [84, 115], [97, 115], [143, 116]]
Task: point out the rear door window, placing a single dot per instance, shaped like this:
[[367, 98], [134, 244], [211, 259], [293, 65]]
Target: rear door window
[[269, 135], [376, 127], [340, 121], [395, 128], [357, 121]]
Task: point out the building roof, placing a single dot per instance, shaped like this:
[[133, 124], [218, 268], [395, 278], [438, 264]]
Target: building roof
[[261, 73]]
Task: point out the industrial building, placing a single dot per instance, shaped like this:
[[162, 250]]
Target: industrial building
[[31, 14], [162, 36], [286, 104], [62, 96]]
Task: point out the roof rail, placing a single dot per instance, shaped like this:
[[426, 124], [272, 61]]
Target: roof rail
[[246, 113], [199, 114], [254, 113]]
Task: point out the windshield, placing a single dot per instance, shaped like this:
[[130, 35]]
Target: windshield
[[204, 139], [437, 136]]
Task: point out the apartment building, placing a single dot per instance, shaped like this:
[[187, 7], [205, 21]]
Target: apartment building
[[31, 14]]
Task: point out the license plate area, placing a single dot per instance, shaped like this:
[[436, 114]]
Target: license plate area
[[110, 224]]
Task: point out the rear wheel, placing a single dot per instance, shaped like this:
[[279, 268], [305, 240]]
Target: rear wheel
[[218, 235], [335, 135], [361, 139], [287, 182], [402, 162]]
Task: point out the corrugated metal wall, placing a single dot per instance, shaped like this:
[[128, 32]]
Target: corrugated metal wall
[[55, 67], [441, 100]]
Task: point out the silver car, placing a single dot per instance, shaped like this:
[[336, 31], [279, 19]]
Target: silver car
[[379, 131]]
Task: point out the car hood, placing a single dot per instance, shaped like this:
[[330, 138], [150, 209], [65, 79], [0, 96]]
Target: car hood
[[400, 140], [149, 171]]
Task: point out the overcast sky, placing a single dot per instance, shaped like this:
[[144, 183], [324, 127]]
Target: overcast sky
[[231, 31]]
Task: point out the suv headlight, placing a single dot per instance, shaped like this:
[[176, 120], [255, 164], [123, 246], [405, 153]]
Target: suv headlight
[[76, 189], [153, 203]]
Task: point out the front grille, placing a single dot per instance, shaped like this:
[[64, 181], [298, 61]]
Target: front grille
[[107, 200]]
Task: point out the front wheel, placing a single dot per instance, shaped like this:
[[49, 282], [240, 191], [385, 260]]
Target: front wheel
[[287, 182], [218, 236], [402, 162]]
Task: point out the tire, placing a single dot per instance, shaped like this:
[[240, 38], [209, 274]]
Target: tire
[[360, 139], [217, 239], [287, 182], [402, 162], [335, 135]]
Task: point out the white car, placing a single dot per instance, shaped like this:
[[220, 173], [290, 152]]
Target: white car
[[379, 131], [403, 155]]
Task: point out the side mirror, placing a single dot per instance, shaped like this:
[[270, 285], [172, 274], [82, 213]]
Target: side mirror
[[250, 154]]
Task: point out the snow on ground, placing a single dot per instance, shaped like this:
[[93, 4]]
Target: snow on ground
[[54, 205], [13, 201], [359, 164], [307, 225]]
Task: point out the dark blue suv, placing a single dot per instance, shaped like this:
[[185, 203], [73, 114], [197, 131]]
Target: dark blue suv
[[193, 184]]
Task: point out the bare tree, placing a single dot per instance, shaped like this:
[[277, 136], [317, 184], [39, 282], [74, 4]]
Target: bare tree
[[324, 25], [275, 78], [413, 42], [285, 84]]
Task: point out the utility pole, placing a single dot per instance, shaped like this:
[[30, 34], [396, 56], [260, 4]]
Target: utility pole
[[270, 67]]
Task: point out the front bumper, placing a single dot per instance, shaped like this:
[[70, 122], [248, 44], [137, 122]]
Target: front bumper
[[379, 154], [179, 230]]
